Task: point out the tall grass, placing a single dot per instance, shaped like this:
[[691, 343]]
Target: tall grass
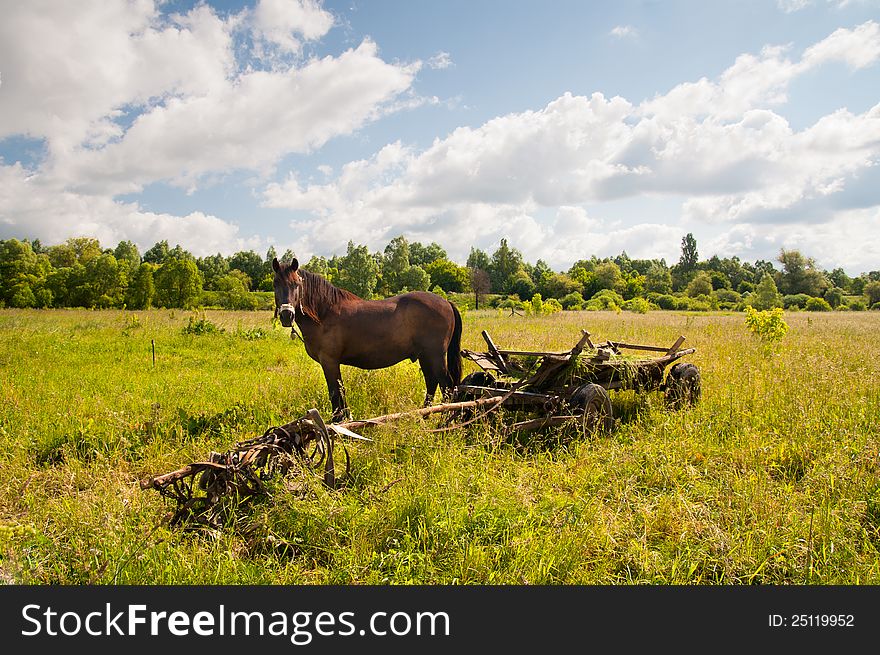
[[771, 479]]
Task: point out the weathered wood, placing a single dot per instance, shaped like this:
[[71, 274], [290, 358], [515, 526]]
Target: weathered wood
[[424, 411], [632, 346], [179, 474], [676, 345]]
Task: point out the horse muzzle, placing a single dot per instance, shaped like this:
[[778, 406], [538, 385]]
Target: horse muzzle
[[286, 313]]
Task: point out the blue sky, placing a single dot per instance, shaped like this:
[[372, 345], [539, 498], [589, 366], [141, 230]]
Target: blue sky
[[570, 128]]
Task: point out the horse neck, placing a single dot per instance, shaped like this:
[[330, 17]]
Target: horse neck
[[320, 297]]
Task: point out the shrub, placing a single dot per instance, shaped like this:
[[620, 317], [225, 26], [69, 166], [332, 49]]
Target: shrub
[[856, 305], [818, 305], [662, 300], [875, 307], [768, 324], [201, 326], [537, 305], [637, 305], [551, 306], [795, 300], [573, 300], [608, 299]]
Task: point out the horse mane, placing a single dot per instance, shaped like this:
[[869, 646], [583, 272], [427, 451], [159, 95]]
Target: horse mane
[[319, 295]]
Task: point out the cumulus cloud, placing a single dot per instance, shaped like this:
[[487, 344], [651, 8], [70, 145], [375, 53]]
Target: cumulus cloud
[[285, 23], [717, 144], [51, 215], [123, 94]]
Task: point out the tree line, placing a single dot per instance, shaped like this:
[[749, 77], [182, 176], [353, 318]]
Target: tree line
[[81, 273]]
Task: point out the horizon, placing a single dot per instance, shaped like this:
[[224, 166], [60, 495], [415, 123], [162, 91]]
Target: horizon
[[572, 131]]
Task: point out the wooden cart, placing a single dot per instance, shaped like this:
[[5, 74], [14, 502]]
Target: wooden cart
[[574, 384]]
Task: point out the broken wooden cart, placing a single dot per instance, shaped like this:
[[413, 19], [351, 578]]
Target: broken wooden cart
[[574, 385], [560, 386]]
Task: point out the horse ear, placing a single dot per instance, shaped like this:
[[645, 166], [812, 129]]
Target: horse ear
[[294, 264], [275, 265]]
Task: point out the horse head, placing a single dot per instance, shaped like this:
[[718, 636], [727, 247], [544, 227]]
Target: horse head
[[288, 290]]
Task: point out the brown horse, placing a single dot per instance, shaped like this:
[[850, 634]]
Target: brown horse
[[338, 327]]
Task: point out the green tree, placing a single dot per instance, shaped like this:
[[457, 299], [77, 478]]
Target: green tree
[[834, 296], [23, 275], [799, 274], [689, 255], [157, 254], [478, 259], [766, 295], [701, 285], [394, 263], [178, 283], [558, 285], [319, 266], [127, 255], [839, 278], [607, 275], [522, 285], [506, 261], [414, 278], [234, 290], [358, 271], [420, 255], [448, 275], [212, 267], [249, 263], [871, 291], [105, 282], [141, 288], [658, 279]]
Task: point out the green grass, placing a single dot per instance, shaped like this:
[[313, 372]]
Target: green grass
[[771, 479]]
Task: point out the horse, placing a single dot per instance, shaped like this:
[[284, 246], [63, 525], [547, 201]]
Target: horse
[[338, 327]]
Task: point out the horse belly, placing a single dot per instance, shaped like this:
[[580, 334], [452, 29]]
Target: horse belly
[[375, 360]]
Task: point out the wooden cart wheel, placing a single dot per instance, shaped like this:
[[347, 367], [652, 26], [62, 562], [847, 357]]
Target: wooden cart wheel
[[593, 400], [477, 379], [683, 386]]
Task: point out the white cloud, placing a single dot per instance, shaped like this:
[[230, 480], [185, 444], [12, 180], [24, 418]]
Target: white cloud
[[624, 31], [278, 22], [440, 61], [716, 144], [52, 215], [124, 95], [248, 124]]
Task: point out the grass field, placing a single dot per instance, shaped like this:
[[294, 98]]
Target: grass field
[[773, 478]]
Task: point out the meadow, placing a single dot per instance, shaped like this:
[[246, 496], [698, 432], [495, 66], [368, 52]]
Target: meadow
[[773, 478]]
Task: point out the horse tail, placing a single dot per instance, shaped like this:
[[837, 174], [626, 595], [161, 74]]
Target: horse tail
[[453, 353]]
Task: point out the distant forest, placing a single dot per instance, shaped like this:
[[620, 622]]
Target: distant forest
[[82, 273]]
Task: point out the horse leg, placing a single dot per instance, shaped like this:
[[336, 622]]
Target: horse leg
[[336, 389], [434, 371]]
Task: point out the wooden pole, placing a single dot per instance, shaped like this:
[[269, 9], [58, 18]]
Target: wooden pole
[[153, 344]]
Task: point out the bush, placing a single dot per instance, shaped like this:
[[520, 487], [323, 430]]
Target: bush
[[551, 306], [681, 303], [201, 326], [798, 300], [818, 305], [856, 305], [769, 324], [875, 307], [727, 296], [662, 300], [637, 305], [607, 299], [574, 300]]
